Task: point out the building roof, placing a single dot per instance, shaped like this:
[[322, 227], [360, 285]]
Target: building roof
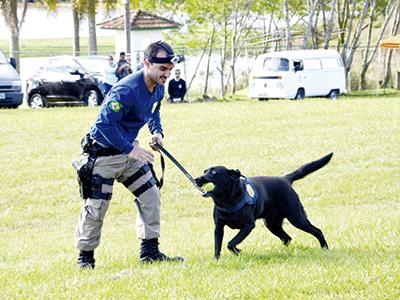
[[140, 20]]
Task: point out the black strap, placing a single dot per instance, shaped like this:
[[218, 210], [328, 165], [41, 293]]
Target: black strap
[[97, 183], [144, 187], [139, 173], [159, 182]]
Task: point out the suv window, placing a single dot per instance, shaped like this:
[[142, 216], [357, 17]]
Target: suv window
[[3, 59]]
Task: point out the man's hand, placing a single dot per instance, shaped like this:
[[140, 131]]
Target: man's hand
[[142, 155], [157, 138]]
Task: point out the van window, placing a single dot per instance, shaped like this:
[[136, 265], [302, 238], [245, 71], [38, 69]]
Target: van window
[[312, 64], [330, 63], [276, 64]]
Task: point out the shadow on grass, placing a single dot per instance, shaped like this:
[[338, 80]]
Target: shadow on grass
[[303, 254]]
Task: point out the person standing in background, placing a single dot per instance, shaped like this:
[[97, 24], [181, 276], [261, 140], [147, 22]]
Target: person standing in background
[[124, 67], [109, 77]]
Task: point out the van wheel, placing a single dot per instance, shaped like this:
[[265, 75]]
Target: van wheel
[[333, 94], [263, 99], [300, 95], [37, 101]]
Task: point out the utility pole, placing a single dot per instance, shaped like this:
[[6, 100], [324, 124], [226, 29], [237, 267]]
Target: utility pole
[[127, 27]]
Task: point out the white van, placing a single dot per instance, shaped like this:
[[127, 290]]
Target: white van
[[297, 74]]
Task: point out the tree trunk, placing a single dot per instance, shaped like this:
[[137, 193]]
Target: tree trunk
[[287, 21], [394, 30], [388, 70], [198, 64], [329, 29], [10, 13], [208, 61], [353, 38], [92, 27], [76, 48], [310, 23]]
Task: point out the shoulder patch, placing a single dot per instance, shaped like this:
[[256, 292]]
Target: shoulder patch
[[114, 105]]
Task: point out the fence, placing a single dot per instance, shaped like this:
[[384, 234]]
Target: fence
[[194, 69]]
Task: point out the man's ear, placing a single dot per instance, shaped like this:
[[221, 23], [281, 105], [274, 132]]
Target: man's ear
[[234, 174], [146, 62]]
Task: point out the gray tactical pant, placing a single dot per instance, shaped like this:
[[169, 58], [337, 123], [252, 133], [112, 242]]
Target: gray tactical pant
[[124, 169]]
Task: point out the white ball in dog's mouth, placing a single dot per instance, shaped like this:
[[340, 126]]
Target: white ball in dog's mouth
[[208, 187]]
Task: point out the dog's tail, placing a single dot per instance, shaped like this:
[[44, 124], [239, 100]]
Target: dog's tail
[[308, 168]]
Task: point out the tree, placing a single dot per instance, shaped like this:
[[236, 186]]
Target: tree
[[328, 25], [395, 29], [386, 8], [351, 19], [9, 9], [80, 8]]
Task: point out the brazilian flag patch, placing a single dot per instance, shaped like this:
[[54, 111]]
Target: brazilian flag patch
[[115, 105]]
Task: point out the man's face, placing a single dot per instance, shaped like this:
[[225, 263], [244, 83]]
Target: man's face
[[177, 74], [159, 73]]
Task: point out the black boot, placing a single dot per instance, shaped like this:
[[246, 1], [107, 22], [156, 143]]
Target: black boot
[[150, 253], [86, 259]]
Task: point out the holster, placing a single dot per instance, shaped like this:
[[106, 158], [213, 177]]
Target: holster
[[85, 171]]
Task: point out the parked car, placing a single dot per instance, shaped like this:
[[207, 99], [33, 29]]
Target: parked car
[[298, 74], [10, 83], [67, 80]]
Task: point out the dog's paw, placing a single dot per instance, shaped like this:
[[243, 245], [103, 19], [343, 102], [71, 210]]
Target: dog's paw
[[234, 249]]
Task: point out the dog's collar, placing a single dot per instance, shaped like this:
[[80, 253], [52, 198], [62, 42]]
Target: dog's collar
[[249, 198]]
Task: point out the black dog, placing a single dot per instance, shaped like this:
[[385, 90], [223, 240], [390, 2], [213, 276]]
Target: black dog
[[239, 201]]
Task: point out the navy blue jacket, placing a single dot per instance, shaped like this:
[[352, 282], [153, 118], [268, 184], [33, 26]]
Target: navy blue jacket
[[125, 110]]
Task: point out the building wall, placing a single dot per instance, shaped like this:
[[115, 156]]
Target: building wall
[[140, 39]]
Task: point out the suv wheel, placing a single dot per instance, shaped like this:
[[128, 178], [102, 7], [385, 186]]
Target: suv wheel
[[92, 98], [37, 101]]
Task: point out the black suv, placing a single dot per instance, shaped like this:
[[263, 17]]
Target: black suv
[[67, 80]]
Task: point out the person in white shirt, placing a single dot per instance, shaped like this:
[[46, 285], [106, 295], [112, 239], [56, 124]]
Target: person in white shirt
[[109, 77]]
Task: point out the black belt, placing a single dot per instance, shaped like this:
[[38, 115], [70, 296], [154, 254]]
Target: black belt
[[102, 151]]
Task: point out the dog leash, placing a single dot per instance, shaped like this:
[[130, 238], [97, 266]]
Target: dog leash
[[187, 174]]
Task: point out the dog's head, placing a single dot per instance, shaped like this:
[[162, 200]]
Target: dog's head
[[226, 184]]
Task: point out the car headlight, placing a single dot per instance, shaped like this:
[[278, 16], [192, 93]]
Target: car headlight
[[16, 85]]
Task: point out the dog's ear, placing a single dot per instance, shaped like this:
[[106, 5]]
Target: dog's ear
[[234, 173]]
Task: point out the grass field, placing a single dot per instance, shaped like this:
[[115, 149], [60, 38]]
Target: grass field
[[58, 46], [354, 200]]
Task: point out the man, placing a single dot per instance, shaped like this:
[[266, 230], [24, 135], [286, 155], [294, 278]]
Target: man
[[130, 104], [123, 67], [177, 88]]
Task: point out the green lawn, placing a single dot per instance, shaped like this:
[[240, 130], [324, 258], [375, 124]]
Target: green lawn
[[58, 46], [354, 200]]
